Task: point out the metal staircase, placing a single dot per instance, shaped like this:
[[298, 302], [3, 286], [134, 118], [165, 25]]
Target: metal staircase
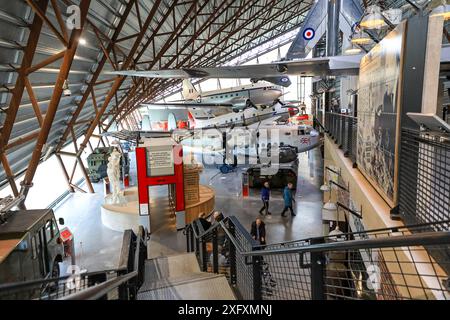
[[178, 277], [411, 262], [224, 262]]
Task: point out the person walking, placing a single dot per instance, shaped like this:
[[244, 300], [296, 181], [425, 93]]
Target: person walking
[[288, 199], [258, 231], [265, 196]]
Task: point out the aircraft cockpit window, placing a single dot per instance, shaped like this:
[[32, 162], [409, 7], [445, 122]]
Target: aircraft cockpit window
[[49, 230], [23, 245]]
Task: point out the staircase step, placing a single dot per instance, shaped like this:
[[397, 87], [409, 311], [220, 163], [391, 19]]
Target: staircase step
[[201, 287], [174, 281], [171, 267]]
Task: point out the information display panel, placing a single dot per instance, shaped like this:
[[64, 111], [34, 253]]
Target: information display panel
[[378, 113], [160, 161]]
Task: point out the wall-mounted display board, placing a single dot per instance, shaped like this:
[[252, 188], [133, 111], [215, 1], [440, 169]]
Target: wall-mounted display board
[[379, 114]]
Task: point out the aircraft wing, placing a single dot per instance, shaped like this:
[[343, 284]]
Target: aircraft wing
[[181, 105], [339, 65]]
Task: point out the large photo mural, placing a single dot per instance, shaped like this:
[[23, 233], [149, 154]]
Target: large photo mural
[[378, 96]]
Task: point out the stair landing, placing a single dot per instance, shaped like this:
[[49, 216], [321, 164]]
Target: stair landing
[[178, 277]]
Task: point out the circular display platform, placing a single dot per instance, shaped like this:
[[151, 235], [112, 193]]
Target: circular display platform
[[120, 217]]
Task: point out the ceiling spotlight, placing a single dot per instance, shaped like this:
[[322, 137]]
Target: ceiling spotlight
[[82, 41], [442, 10], [330, 206], [361, 38], [373, 18], [66, 89], [352, 49]]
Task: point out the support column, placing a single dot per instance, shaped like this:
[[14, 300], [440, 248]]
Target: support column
[[333, 27], [65, 174]]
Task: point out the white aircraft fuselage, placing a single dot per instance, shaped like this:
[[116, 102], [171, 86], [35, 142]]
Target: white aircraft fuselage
[[199, 119], [258, 94]]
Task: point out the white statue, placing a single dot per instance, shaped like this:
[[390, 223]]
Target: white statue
[[113, 172]]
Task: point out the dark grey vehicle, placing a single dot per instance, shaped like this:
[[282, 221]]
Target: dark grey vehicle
[[30, 246]]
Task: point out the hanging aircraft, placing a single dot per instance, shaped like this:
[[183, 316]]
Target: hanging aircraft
[[276, 72], [236, 98]]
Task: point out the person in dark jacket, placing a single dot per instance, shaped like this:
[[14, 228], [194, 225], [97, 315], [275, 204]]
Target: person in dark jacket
[[288, 199], [204, 222], [258, 231], [265, 196]]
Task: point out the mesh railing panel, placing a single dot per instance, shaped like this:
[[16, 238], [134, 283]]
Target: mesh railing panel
[[244, 270], [362, 272], [55, 289], [385, 274], [424, 186], [286, 277]]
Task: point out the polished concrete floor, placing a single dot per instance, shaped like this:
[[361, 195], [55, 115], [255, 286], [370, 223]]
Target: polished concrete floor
[[98, 247]]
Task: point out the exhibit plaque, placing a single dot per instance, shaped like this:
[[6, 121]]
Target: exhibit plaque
[[378, 113], [160, 161]]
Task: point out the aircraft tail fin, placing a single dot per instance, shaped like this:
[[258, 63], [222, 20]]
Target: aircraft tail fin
[[189, 92], [191, 119]]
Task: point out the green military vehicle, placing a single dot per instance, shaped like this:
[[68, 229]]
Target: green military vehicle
[[30, 246], [98, 163]]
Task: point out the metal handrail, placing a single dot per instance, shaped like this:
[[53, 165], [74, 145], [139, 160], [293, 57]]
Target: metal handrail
[[311, 239], [18, 285], [420, 239], [99, 290], [256, 270]]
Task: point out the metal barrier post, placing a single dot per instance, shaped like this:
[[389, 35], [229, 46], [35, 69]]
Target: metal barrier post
[[317, 272], [123, 288], [215, 245], [257, 285], [348, 136], [188, 240], [191, 236], [203, 256], [232, 257]]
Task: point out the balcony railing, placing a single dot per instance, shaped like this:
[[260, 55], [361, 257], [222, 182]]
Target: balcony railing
[[342, 129], [383, 264]]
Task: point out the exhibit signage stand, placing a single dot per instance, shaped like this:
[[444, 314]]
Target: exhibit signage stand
[[160, 162]]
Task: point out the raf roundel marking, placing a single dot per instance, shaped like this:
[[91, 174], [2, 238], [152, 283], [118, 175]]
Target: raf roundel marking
[[309, 33]]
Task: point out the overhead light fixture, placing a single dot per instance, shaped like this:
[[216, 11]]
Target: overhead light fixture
[[82, 41], [361, 38], [352, 49], [441, 10], [66, 89], [330, 206], [373, 18]]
